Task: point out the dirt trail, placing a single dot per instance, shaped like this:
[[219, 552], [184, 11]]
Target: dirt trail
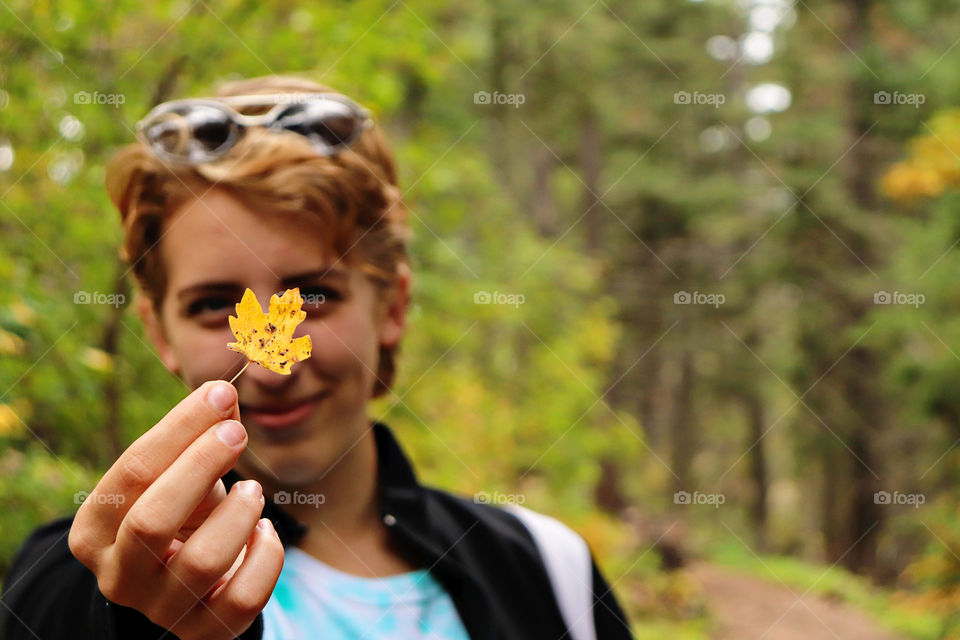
[[748, 608]]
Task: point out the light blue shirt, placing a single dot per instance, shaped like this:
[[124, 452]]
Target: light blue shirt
[[314, 600]]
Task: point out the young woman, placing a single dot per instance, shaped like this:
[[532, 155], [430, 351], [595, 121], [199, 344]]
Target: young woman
[[274, 508]]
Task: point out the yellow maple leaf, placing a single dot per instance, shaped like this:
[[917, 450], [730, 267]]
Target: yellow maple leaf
[[267, 338]]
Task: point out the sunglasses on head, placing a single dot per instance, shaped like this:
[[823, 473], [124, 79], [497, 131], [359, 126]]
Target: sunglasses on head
[[201, 130]]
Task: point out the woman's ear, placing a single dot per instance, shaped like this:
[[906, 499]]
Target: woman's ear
[[156, 332], [394, 314]]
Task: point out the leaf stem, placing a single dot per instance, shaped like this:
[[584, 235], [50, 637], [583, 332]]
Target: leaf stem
[[239, 372]]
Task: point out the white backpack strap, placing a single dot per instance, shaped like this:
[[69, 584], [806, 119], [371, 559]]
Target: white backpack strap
[[569, 566]]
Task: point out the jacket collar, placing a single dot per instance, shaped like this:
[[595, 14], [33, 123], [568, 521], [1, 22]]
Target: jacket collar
[[401, 496], [403, 507]]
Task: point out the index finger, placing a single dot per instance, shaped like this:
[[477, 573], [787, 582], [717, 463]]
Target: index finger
[[154, 451]]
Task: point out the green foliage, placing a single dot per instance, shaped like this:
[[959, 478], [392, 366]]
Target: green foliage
[[932, 582], [36, 487]]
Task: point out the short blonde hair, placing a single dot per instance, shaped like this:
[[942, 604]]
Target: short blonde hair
[[355, 192]]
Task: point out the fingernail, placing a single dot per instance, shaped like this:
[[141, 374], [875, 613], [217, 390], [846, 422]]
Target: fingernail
[[222, 396], [231, 433], [251, 488], [266, 524]]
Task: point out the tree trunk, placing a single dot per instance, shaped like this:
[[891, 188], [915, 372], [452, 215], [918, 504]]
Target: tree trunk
[[865, 517], [543, 206], [681, 430], [589, 159], [758, 467], [109, 344]]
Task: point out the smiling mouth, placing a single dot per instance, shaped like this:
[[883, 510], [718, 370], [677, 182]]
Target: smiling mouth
[[282, 417]]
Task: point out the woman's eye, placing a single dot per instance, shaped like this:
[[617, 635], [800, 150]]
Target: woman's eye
[[207, 305]]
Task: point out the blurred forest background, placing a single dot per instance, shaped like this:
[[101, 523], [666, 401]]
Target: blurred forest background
[[686, 275]]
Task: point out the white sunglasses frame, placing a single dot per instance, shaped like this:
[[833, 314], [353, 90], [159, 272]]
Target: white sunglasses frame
[[226, 104]]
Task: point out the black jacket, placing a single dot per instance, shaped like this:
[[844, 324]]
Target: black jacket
[[482, 555]]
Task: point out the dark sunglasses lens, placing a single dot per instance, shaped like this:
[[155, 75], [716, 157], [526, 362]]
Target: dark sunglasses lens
[[184, 131], [214, 131], [332, 123]]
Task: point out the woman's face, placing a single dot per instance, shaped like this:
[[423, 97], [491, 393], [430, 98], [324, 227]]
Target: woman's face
[[299, 425]]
